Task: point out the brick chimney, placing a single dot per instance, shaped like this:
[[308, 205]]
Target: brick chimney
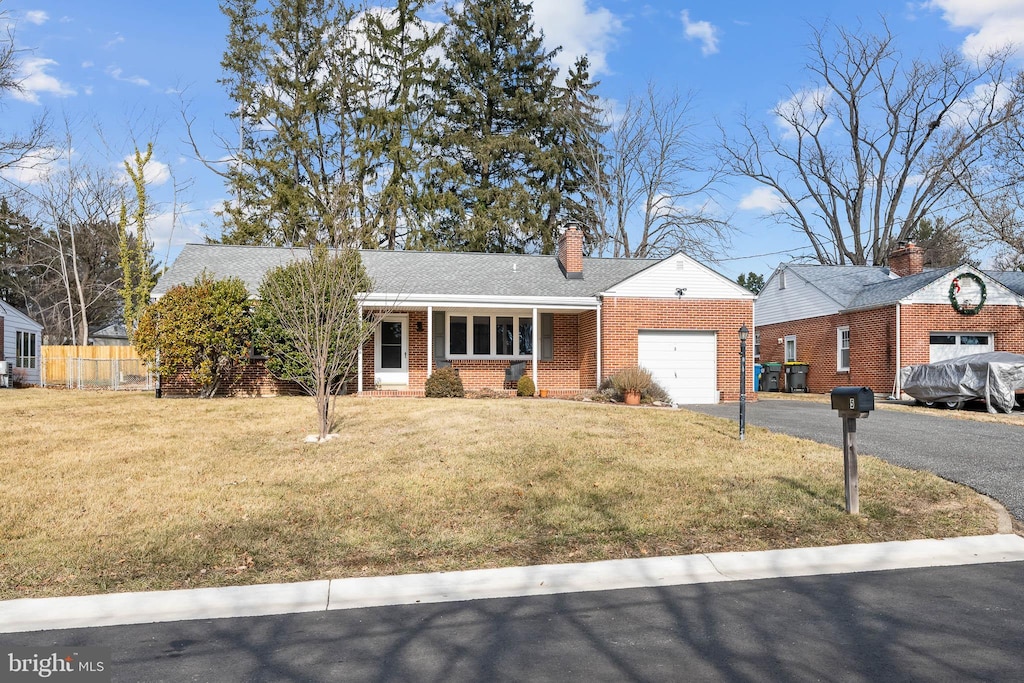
[[570, 252], [906, 259]]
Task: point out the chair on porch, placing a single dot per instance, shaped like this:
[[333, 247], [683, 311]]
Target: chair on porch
[[441, 363], [514, 371]]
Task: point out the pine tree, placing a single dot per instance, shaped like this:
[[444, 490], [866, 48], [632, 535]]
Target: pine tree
[[577, 185], [400, 64], [494, 102]]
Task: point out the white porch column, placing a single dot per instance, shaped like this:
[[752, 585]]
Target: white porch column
[[430, 338], [359, 370], [598, 346], [898, 392], [536, 335]]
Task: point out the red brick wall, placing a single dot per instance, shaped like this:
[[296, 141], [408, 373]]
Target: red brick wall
[[587, 337], [1006, 322], [623, 318], [570, 250], [253, 380], [873, 339]]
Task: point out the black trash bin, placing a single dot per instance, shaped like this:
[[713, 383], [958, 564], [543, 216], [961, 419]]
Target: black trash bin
[[796, 377], [770, 376]]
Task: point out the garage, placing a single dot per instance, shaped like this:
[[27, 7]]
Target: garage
[[949, 345], [683, 362]]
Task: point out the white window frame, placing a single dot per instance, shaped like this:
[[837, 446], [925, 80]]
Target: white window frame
[[785, 348], [469, 314], [25, 341], [782, 279], [840, 331]]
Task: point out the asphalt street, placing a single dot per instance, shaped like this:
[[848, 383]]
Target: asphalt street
[[938, 624], [986, 456]]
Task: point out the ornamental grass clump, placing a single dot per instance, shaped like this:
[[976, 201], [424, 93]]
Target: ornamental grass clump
[[636, 378], [444, 383], [525, 386]]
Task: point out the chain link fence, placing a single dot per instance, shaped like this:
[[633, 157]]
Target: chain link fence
[[119, 374]]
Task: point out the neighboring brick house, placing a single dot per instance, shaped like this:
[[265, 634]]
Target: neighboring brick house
[[572, 320], [21, 340], [858, 325]]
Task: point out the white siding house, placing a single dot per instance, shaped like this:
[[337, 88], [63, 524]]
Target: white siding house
[[23, 340]]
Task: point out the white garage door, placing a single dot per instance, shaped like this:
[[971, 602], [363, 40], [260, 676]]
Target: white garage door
[[946, 345], [684, 363]]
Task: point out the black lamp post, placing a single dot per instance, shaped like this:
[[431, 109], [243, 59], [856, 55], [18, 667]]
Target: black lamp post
[[744, 333]]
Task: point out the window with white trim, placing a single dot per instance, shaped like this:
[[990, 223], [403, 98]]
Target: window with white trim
[[791, 348], [757, 345], [494, 336], [782, 279], [25, 344], [843, 349]]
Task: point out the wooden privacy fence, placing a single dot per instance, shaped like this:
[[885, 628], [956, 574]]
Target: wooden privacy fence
[[95, 367]]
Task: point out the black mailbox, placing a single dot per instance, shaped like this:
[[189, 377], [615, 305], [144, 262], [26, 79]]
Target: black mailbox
[[853, 400]]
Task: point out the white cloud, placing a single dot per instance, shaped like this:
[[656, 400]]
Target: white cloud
[[117, 73], [116, 40], [761, 199], [87, 64], [579, 29], [703, 31], [34, 168], [37, 17], [803, 109], [995, 23], [34, 80]]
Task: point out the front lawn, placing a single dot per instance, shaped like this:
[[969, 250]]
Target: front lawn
[[104, 492]]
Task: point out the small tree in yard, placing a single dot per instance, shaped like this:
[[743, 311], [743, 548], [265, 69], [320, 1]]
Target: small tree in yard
[[204, 329], [310, 325]]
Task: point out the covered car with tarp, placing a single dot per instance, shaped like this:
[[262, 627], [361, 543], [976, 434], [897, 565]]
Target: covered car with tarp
[[992, 377]]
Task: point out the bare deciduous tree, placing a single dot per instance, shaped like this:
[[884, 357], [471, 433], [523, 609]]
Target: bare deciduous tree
[[310, 323], [16, 149], [876, 142], [658, 187]]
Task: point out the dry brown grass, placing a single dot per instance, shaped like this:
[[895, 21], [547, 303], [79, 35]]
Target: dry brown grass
[[103, 492]]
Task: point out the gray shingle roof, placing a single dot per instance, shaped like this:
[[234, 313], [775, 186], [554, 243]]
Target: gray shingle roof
[[892, 291], [1014, 280], [415, 272], [857, 287], [841, 283]]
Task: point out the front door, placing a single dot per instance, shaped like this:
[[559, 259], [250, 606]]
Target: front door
[[391, 367]]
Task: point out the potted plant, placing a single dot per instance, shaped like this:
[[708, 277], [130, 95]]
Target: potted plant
[[631, 383]]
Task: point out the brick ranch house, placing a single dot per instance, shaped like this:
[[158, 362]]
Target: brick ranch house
[[572, 320], [858, 325]]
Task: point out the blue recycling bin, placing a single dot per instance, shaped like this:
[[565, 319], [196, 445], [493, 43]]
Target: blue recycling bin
[[757, 376]]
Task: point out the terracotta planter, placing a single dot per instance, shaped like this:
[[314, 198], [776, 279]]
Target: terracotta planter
[[543, 393], [632, 398]]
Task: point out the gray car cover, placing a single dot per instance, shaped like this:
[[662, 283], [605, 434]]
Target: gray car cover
[[993, 377]]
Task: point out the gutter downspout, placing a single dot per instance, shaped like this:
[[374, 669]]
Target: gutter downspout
[[898, 391]]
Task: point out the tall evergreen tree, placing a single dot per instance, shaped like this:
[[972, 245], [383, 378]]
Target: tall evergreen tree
[[494, 102], [577, 184], [401, 61], [295, 83]]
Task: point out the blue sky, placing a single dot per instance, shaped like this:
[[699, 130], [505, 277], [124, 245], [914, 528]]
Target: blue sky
[[120, 71]]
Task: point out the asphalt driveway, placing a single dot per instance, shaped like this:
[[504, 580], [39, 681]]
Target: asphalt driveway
[[986, 456]]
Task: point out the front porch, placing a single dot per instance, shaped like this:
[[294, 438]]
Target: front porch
[[558, 346]]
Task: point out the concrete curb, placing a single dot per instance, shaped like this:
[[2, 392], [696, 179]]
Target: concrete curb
[[39, 614]]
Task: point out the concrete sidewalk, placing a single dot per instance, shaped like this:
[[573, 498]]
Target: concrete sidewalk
[[41, 614]]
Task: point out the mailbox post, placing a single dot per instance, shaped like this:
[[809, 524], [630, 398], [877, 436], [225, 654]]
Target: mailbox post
[[852, 403]]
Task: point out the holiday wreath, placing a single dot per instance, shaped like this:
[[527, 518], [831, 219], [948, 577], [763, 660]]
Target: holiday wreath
[[968, 307]]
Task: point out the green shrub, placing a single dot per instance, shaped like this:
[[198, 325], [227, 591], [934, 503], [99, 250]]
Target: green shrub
[[525, 387], [444, 383]]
